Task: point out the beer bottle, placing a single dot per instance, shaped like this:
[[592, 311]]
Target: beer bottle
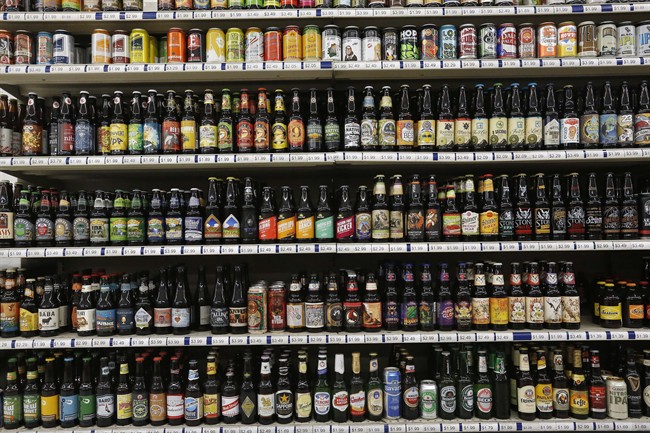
[[451, 218], [135, 130], [103, 126], [174, 222], [135, 231], [380, 212], [181, 304], [324, 221], [262, 125], [534, 298], [193, 401], [433, 220], [340, 398], [501, 395], [357, 391], [552, 298], [295, 306], [44, 224], [279, 128], [446, 316], [238, 315], [156, 227], [525, 388], [12, 407], [575, 210], [23, 225], [543, 388], [28, 321], [105, 396], [32, 128], [533, 122], [523, 211], [488, 218], [409, 305], [447, 389], [50, 405], [570, 299], [249, 215], [480, 300], [118, 132], [123, 395], [31, 398], [48, 311], [516, 299], [230, 398], [589, 121], [498, 122], [225, 125], [118, 221], [465, 393], [144, 312], [87, 402], [610, 308], [219, 312], [208, 127], [363, 216], [463, 122], [64, 143], [171, 125], [17, 115], [372, 306], [608, 119], [445, 126], [479, 124], [236, 106], [396, 208], [314, 126], [322, 392], [646, 380], [507, 216], [369, 131], [6, 127], [211, 400], [333, 306], [594, 210], [391, 307], [212, 229], [463, 304], [332, 129], [10, 307], [151, 126], [139, 397], [578, 395], [86, 311], [265, 394], [612, 210], [411, 391], [231, 213], [625, 122], [470, 216], [175, 400], [284, 397], [386, 126], [415, 211], [498, 301], [597, 391], [352, 308], [188, 124], [296, 127], [125, 308], [426, 125], [629, 210], [516, 121], [551, 120], [105, 312], [351, 125], [162, 312], [201, 308], [405, 131], [482, 391], [633, 307], [559, 210], [542, 210], [641, 137], [314, 306], [570, 123], [287, 217], [267, 226]]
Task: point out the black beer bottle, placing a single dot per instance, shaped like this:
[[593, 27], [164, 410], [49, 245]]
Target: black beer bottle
[[608, 118], [174, 219], [181, 305], [125, 311], [433, 216], [363, 216], [352, 307], [525, 388], [304, 217], [386, 127], [570, 123], [314, 126], [345, 227], [296, 126], [193, 413], [287, 217], [575, 210], [332, 127], [480, 124], [642, 135], [24, 221], [506, 211], [44, 224], [451, 228], [445, 125], [501, 395], [611, 210], [351, 125], [212, 228], [629, 210], [284, 397], [201, 308], [469, 218], [340, 396], [534, 129], [231, 213], [542, 218], [63, 228], [426, 126], [238, 311], [551, 121], [523, 210], [66, 134], [559, 210], [415, 211], [447, 387], [279, 139], [105, 396], [589, 121], [405, 133], [87, 398], [396, 208], [219, 307], [625, 120], [268, 217], [144, 313], [155, 219], [48, 311], [498, 120], [516, 122], [324, 217], [333, 306], [49, 396], [175, 400], [140, 395], [249, 217], [594, 210], [13, 398], [391, 308], [463, 122], [162, 305]]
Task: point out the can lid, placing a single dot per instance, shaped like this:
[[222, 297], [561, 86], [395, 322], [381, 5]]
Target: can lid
[[487, 25], [525, 25], [464, 26], [357, 28], [389, 29], [329, 26], [365, 29], [201, 31], [272, 29], [588, 23], [625, 23], [567, 23]]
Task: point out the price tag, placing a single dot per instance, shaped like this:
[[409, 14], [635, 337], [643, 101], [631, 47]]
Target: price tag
[[54, 252], [419, 247], [489, 427], [529, 246], [139, 341], [621, 245], [158, 341], [301, 339], [287, 249], [557, 335], [17, 253], [445, 157], [171, 250], [175, 341], [36, 252], [113, 251], [607, 62], [43, 343], [597, 335], [197, 430], [589, 63], [451, 64], [229, 249], [490, 246], [326, 248], [313, 339], [484, 336], [450, 427], [171, 67], [466, 337], [306, 249], [304, 429], [448, 337], [412, 338], [508, 426], [398, 248], [355, 339], [469, 64], [603, 245], [390, 65], [380, 248], [604, 425], [491, 64], [372, 339], [151, 251], [321, 429], [503, 336], [455, 247], [551, 63], [584, 245], [470, 426], [101, 342], [24, 344], [198, 341], [570, 63], [228, 429], [539, 336], [73, 252], [396, 428], [247, 249], [266, 249], [463, 156], [332, 339], [220, 340], [20, 161], [337, 429], [121, 342], [191, 250], [509, 246], [186, 159], [430, 338], [631, 61], [472, 246], [615, 335], [511, 63], [83, 342]]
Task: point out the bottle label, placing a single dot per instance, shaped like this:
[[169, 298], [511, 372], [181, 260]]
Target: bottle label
[[135, 229], [69, 407], [499, 311], [463, 311], [334, 314], [87, 408], [99, 230], [462, 132], [544, 397], [380, 224], [625, 128], [155, 229], [10, 316], [526, 399], [534, 309], [303, 405], [391, 313], [314, 315], [62, 230], [284, 404], [193, 408], [578, 402], [375, 402], [237, 317], [386, 132], [325, 228], [224, 137], [125, 319], [50, 408], [484, 399], [559, 220], [174, 228], [611, 312], [552, 309], [480, 132], [81, 229], [28, 320], [279, 132], [231, 227], [589, 129], [507, 222], [608, 132], [448, 399], [372, 315], [432, 224], [409, 313], [211, 406], [208, 137], [481, 311], [635, 312], [151, 137], [571, 309], [516, 130], [212, 228], [176, 408], [552, 133], [498, 130], [352, 131], [363, 229], [469, 223], [31, 408], [105, 406], [267, 229], [124, 406], [296, 134], [445, 132], [48, 319], [369, 133], [265, 405], [517, 308], [295, 316], [140, 407], [642, 129], [340, 401], [321, 402], [180, 317], [305, 229], [570, 130], [193, 228], [412, 396], [314, 135], [396, 224], [135, 133], [451, 224], [489, 223], [44, 229], [23, 230], [142, 319], [598, 399], [188, 135], [523, 221], [534, 130], [287, 228], [12, 409], [86, 320], [118, 136], [405, 133], [219, 317], [414, 223], [105, 320]]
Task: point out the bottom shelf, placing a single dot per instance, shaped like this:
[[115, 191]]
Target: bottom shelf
[[386, 426]]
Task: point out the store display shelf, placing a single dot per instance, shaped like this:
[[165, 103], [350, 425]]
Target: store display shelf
[[46, 164], [587, 332], [24, 75], [386, 426], [325, 248]]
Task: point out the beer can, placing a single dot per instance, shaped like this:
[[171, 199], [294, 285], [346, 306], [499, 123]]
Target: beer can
[[176, 46], [392, 393], [467, 45], [254, 45], [120, 47], [23, 48], [111, 5], [195, 50], [606, 39], [291, 44], [487, 41], [567, 39], [331, 43], [616, 398], [429, 42], [273, 44], [507, 41], [215, 46], [139, 41], [351, 44], [526, 44], [100, 47], [79, 54], [257, 302], [448, 42], [277, 307], [62, 47], [547, 40], [153, 49], [92, 5], [235, 45], [643, 39], [428, 399], [44, 48], [587, 39], [626, 35], [408, 43], [389, 43], [162, 49], [311, 43], [371, 45]]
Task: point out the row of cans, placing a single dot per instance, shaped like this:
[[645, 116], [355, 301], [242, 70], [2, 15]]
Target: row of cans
[[310, 43], [70, 5]]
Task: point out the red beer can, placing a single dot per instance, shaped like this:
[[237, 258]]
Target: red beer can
[[277, 307], [23, 48], [526, 40], [273, 45], [467, 45]]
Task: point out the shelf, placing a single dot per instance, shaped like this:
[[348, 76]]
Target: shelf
[[47, 164], [387, 426], [326, 248], [588, 332], [40, 78]]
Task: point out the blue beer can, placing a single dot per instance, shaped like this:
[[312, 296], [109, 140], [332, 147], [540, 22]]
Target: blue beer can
[[392, 393], [448, 42]]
